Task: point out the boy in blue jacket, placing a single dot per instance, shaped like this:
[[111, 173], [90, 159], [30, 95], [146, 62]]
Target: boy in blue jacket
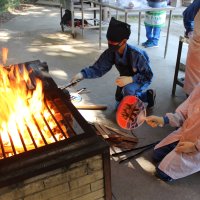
[[135, 74]]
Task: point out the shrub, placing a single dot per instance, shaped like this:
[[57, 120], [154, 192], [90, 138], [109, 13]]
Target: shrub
[[5, 4]]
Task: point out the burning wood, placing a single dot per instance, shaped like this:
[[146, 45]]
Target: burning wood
[[26, 121]]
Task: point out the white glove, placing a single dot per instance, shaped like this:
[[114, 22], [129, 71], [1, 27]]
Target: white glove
[[155, 121], [121, 81], [77, 77]]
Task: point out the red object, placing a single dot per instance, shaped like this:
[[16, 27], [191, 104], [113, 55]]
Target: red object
[[131, 113]]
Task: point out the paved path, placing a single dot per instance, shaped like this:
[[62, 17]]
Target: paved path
[[36, 34]]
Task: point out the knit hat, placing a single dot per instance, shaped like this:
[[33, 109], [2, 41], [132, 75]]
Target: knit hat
[[117, 30]]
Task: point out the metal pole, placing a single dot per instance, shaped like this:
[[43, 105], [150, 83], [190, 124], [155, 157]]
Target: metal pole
[[95, 13], [177, 66], [61, 14], [105, 14], [126, 16], [166, 44], [72, 11], [82, 16], [139, 27], [117, 14], [100, 25], [107, 174]]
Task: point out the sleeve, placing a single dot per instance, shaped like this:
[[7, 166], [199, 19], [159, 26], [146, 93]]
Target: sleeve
[[166, 120], [189, 15], [144, 73], [100, 67], [177, 119]]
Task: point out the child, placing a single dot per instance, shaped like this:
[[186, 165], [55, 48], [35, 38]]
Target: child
[[154, 20], [178, 154], [133, 64], [191, 19]]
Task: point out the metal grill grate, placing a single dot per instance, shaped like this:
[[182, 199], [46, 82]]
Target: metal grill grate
[[62, 118], [56, 107]]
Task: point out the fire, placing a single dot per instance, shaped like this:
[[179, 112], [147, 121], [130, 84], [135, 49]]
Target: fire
[[4, 55], [22, 108]]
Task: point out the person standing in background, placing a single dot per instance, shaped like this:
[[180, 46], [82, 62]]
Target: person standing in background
[[154, 21]]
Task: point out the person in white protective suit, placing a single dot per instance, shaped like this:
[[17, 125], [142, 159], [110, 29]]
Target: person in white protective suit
[[191, 20], [178, 154]]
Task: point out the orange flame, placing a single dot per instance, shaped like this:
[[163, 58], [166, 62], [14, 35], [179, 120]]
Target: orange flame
[[4, 55], [21, 104]]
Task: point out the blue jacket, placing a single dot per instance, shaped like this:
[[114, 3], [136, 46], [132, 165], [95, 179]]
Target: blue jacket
[[135, 63], [189, 15]]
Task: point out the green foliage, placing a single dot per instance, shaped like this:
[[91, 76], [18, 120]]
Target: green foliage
[[5, 4]]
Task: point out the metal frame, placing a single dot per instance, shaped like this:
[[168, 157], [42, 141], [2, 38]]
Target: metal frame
[[178, 81], [107, 174], [81, 7], [126, 12]]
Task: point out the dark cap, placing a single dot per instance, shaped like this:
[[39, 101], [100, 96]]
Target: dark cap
[[117, 30]]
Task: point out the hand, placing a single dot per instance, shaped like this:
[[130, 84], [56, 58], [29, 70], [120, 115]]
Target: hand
[[185, 147], [121, 81], [155, 121], [77, 77]]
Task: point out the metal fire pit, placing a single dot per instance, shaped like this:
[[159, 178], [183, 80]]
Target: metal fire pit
[[80, 140]]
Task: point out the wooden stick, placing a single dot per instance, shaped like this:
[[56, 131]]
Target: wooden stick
[[105, 129], [114, 139], [125, 137], [91, 107], [134, 139], [105, 136]]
